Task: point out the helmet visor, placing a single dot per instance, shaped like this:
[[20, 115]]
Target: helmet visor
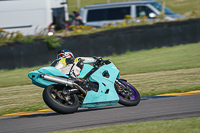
[[61, 55]]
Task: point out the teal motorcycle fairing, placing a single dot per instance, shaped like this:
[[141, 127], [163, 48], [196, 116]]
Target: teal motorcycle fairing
[[106, 94], [36, 80]]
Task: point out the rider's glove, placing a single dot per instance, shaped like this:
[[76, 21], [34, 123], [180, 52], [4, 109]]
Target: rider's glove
[[99, 62], [98, 59]]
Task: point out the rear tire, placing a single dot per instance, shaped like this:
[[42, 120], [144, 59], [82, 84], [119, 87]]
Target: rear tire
[[128, 95], [52, 96]]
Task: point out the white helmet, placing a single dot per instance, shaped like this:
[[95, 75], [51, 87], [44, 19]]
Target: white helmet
[[60, 56], [67, 54]]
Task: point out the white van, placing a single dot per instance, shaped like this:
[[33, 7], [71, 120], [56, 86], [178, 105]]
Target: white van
[[99, 14], [32, 17]]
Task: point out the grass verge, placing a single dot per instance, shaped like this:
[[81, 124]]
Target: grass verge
[[154, 83], [186, 125], [158, 59]]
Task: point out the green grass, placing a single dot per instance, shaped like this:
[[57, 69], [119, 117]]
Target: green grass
[[186, 125], [159, 59], [184, 7], [155, 71], [21, 98], [161, 82], [15, 77]]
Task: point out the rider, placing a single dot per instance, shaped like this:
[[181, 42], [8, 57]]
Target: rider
[[69, 65]]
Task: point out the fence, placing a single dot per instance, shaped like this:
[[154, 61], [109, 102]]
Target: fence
[[103, 43]]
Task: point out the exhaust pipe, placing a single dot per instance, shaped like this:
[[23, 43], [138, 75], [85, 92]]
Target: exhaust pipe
[[62, 81], [59, 80]]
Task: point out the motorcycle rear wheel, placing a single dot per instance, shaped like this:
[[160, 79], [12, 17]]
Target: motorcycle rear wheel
[[128, 94], [52, 96]]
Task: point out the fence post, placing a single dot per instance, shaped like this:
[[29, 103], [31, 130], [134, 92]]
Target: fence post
[[163, 7], [78, 4]]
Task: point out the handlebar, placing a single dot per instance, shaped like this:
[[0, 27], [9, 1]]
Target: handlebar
[[100, 62]]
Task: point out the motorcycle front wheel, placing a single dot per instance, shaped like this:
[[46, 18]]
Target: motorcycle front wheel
[[54, 99], [128, 95]]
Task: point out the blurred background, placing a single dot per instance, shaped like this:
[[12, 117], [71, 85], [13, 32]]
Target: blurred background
[[184, 7]]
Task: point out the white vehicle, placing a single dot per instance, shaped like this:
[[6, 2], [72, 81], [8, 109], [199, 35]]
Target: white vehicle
[[32, 17], [99, 14]]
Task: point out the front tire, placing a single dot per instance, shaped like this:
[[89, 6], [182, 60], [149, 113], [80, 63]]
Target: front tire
[[128, 95], [52, 96]]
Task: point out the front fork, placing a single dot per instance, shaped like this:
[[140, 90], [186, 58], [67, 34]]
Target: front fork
[[119, 81], [119, 86]]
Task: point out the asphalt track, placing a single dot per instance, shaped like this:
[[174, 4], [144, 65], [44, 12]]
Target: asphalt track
[[150, 108]]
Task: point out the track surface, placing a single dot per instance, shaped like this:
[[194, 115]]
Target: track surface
[[151, 109]]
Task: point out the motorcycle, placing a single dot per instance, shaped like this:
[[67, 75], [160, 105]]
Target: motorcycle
[[97, 85]]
